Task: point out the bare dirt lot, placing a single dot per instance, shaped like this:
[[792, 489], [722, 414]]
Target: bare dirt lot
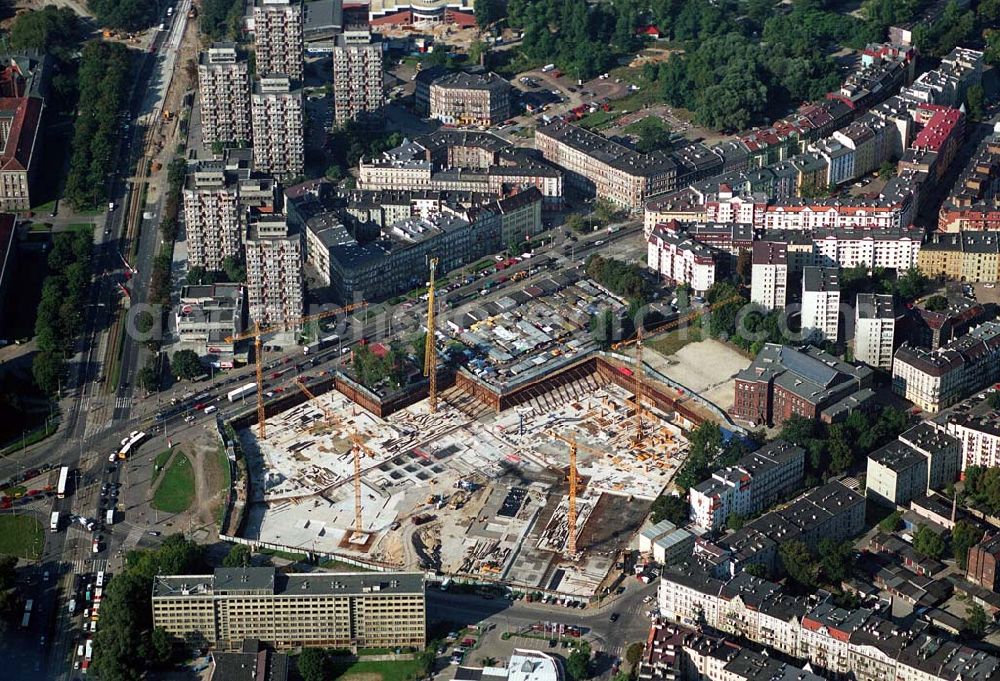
[[707, 367]]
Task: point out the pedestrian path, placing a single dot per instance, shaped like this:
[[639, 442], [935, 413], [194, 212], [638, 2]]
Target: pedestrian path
[[84, 565]]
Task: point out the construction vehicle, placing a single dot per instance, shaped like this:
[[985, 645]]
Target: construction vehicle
[[430, 351], [257, 332]]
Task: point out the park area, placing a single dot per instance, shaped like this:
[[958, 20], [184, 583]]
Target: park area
[[175, 486], [21, 536]]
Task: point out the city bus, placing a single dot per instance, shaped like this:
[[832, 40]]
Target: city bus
[[134, 439], [54, 522], [63, 481]]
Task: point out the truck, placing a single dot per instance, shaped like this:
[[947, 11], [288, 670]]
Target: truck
[[54, 522], [321, 344], [548, 67], [109, 517], [242, 392]]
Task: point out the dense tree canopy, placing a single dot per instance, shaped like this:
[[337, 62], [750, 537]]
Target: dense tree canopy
[[220, 19], [186, 364], [128, 15], [105, 68], [669, 507], [51, 30], [621, 278]]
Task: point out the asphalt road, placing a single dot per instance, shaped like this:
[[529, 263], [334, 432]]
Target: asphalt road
[[69, 551]]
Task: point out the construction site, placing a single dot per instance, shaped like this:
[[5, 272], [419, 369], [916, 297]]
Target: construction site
[[467, 489]]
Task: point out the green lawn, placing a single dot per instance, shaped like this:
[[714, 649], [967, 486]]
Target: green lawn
[[81, 226], [21, 536], [176, 489], [160, 461], [395, 670], [670, 343], [647, 124]]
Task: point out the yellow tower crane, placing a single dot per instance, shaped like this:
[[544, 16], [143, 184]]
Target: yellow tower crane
[[357, 447], [257, 332], [573, 483], [430, 351]]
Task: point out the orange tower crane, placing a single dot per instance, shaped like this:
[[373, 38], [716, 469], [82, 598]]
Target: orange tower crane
[[257, 332], [430, 351], [573, 483]]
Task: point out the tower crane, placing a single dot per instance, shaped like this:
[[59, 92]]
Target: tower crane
[[573, 481], [357, 446], [430, 351], [257, 332]]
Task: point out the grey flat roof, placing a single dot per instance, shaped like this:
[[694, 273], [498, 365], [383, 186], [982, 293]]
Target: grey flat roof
[[233, 580]]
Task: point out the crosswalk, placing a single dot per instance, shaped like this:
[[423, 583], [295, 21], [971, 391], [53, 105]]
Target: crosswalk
[[84, 565], [123, 402]]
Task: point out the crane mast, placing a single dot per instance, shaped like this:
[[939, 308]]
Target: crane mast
[[430, 353]]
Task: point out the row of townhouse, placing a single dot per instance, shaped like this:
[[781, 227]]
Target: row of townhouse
[[972, 204], [920, 125], [971, 256], [936, 379], [861, 642]]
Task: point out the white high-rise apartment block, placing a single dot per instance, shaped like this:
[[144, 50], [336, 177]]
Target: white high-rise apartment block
[[769, 274], [212, 217], [357, 81], [874, 330], [274, 254], [278, 37], [277, 127], [821, 303], [224, 89]]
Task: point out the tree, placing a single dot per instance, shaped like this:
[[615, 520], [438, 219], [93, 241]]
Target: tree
[[575, 222], [634, 653], [489, 12], [602, 328], [993, 400], [162, 648], [147, 379], [835, 559], [936, 303], [238, 557], [976, 620], [313, 664], [578, 662], [756, 570], [798, 563], [235, 269], [128, 15], [798, 429], [478, 52], [186, 364], [975, 102], [47, 368], [928, 543], [334, 173], [669, 507], [8, 574], [887, 170], [744, 265], [964, 536], [51, 30], [891, 522], [735, 522]]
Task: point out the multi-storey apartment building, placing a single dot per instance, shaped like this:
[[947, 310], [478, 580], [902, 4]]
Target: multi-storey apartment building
[[606, 169], [972, 204], [23, 88], [849, 213], [366, 610], [962, 256], [680, 259], [936, 379], [475, 99], [274, 259], [358, 90], [278, 136], [769, 274], [783, 380], [979, 435], [942, 450], [874, 330], [278, 37], [217, 198], [753, 483], [224, 90], [461, 161], [821, 303], [896, 474]]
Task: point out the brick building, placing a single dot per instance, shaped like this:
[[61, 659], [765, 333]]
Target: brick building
[[783, 380], [982, 563]]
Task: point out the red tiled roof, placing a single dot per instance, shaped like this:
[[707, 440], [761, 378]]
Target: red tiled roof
[[27, 115]]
